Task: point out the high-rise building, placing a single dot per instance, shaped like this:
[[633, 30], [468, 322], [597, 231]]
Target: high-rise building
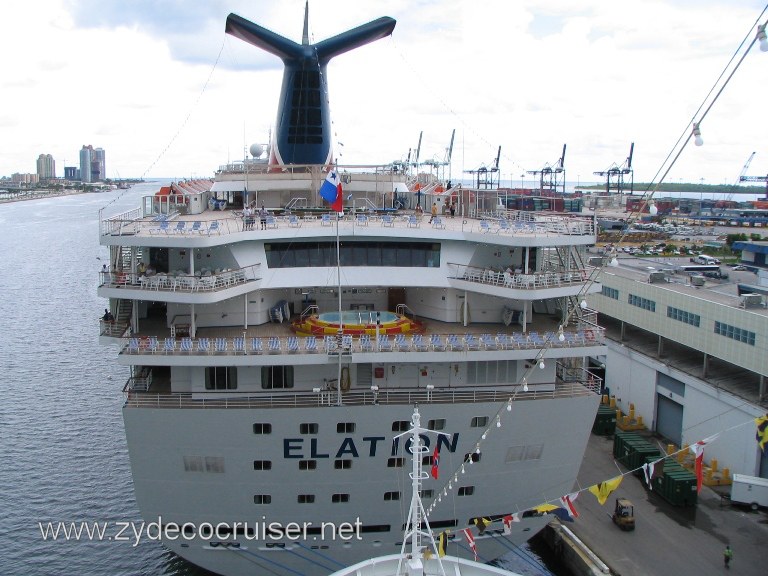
[[46, 167], [92, 164], [71, 173]]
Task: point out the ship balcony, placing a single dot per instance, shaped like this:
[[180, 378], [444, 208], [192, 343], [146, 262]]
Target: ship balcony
[[538, 285], [145, 392], [518, 228], [180, 286], [253, 346]]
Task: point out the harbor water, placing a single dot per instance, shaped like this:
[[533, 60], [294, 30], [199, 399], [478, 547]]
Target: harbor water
[[62, 444]]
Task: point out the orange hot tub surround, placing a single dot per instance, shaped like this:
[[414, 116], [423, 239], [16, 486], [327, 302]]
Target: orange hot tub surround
[[355, 322]]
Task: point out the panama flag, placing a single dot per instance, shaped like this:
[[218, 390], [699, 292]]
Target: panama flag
[[471, 541], [331, 191], [435, 462]]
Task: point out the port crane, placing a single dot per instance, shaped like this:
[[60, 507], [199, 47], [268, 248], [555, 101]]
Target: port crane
[[615, 175], [744, 178], [484, 176], [437, 164], [549, 176]]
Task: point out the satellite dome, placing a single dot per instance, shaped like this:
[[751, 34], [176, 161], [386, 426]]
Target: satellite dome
[[256, 150]]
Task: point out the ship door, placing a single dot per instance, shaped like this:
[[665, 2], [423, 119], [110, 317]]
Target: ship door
[[395, 296]]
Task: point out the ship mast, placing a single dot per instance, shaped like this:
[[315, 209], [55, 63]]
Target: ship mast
[[416, 514]]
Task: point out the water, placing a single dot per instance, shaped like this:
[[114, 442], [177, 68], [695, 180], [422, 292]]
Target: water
[[62, 446]]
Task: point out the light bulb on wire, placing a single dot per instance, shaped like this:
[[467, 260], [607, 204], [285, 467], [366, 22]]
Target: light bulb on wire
[[761, 35], [697, 139]]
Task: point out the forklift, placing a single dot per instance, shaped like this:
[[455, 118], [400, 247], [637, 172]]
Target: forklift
[[624, 514]]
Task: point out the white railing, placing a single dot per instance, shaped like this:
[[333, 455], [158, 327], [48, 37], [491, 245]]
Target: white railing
[[205, 346], [500, 393], [518, 279], [181, 282]]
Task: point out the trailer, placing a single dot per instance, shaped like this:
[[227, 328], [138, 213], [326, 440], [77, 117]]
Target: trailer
[[749, 490]]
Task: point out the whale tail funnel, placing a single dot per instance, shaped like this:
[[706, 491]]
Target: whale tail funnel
[[303, 128]]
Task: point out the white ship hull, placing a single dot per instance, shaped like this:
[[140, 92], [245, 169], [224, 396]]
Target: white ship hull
[[160, 439]]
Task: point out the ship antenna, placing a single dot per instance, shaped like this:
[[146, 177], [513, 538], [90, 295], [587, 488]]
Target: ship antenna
[[417, 515]]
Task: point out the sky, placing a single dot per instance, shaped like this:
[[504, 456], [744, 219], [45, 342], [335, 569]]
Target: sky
[[166, 93]]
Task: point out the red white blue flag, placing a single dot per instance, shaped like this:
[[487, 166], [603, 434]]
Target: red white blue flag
[[330, 191]]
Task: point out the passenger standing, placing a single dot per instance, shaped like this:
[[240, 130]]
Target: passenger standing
[[247, 218], [263, 217], [434, 212], [727, 556], [453, 209]]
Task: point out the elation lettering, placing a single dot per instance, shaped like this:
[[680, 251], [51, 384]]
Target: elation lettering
[[297, 447]]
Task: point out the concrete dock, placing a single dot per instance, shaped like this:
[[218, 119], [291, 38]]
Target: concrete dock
[[667, 540]]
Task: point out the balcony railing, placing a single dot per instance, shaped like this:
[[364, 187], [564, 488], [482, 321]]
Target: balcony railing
[[181, 281], [348, 344], [517, 279], [323, 397]]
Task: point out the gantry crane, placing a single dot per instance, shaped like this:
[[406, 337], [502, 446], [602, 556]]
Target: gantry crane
[[614, 175], [484, 176], [549, 176], [743, 178]]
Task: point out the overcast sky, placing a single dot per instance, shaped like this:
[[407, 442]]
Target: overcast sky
[[166, 93]]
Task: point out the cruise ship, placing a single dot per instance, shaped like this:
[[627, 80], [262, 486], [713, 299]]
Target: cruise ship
[[275, 347]]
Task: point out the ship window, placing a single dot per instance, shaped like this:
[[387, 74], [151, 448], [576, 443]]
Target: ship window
[[262, 428], [427, 460], [466, 490], [479, 422], [273, 377], [345, 427], [214, 464], [351, 253], [438, 424], [342, 464], [339, 498], [262, 464], [306, 498], [430, 493], [530, 452], [193, 464], [262, 499], [307, 464], [308, 428], [473, 455], [389, 496], [395, 462], [220, 378], [400, 426]]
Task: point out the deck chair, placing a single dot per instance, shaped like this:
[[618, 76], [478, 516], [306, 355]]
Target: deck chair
[[256, 346], [203, 345], [310, 344], [220, 345], [169, 345], [293, 344], [436, 342], [186, 344], [273, 344]]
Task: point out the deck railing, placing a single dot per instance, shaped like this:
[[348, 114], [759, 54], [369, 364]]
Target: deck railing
[[518, 279], [324, 397], [242, 346], [181, 282]]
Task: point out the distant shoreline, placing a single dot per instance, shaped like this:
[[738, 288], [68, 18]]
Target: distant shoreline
[[38, 194]]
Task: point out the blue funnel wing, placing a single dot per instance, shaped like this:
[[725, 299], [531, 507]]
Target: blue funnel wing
[[303, 128], [354, 38], [260, 37]]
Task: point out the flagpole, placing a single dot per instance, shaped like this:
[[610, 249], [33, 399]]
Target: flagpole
[[340, 334]]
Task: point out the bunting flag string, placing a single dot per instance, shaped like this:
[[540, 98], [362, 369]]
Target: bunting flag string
[[564, 505], [470, 541]]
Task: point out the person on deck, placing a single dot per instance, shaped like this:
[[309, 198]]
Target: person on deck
[[434, 212]]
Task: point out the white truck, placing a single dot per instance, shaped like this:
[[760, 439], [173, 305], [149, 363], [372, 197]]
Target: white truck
[[704, 259], [749, 490]]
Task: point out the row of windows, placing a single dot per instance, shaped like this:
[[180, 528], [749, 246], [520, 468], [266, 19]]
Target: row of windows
[[683, 316], [641, 302], [721, 328], [346, 464], [352, 253], [343, 498], [610, 292], [738, 334], [311, 428]]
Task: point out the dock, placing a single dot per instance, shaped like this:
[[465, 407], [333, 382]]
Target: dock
[[667, 539]]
